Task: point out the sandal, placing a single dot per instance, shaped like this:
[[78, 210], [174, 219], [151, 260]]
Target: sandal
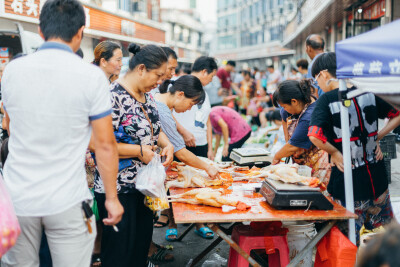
[[171, 232], [161, 256], [159, 224], [96, 261], [203, 231]]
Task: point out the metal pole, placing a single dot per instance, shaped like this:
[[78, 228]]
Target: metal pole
[[348, 176]]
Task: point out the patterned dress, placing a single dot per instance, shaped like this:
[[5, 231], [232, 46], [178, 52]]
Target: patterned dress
[[128, 116]]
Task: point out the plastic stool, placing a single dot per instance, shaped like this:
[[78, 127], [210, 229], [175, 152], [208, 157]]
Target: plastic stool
[[249, 239]]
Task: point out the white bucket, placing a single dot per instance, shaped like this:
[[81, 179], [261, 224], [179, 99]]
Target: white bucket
[[300, 233]]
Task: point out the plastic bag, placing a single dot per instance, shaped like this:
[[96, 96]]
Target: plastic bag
[[215, 260], [150, 179], [335, 250], [9, 226], [150, 182]]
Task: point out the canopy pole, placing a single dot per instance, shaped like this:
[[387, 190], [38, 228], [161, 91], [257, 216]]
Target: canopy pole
[[348, 176]]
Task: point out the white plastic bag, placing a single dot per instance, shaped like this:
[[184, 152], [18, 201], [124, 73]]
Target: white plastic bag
[[9, 226], [215, 260], [150, 179]]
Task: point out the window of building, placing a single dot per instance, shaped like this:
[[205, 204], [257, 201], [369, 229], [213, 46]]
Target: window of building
[[199, 40], [155, 10], [227, 42]]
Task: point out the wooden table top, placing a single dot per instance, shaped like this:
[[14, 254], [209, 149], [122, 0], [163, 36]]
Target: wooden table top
[[260, 211]]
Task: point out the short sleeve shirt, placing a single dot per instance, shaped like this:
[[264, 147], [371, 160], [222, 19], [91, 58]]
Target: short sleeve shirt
[[299, 137], [238, 127], [225, 78], [212, 91], [127, 113], [168, 125], [369, 175], [51, 96], [195, 121]]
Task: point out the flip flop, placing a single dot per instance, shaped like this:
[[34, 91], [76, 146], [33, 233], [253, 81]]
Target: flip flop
[[161, 224], [159, 257], [171, 232], [203, 231]]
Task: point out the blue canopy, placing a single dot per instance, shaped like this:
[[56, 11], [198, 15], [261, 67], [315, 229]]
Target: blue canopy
[[374, 53]]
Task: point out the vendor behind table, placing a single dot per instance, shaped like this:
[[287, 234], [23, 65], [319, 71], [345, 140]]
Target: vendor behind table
[[298, 103]]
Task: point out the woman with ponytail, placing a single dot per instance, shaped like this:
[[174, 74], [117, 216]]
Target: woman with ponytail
[[108, 56], [138, 130], [181, 95], [297, 104]]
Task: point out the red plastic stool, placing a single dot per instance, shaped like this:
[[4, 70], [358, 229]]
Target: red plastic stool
[[249, 239]]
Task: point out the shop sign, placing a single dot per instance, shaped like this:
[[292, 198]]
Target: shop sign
[[375, 11], [96, 19], [128, 27], [29, 8]]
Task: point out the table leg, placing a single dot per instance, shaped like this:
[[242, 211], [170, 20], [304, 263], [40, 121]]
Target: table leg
[[232, 243], [206, 251], [311, 244], [190, 227]]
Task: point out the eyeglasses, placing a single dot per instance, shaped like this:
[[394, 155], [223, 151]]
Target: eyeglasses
[[319, 74]]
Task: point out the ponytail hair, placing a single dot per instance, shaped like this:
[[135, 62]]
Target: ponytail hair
[[188, 84], [151, 56], [287, 90]]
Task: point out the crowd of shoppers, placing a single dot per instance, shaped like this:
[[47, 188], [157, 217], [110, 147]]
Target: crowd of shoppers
[[67, 114]]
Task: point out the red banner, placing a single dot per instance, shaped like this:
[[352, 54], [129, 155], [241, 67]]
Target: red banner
[[375, 11]]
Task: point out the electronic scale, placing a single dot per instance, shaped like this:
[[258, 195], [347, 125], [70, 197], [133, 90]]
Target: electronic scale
[[250, 156], [293, 196]]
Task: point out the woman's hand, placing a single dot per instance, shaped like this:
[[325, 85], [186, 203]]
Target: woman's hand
[[378, 152], [189, 139], [225, 151], [210, 154], [168, 151], [148, 154], [337, 160], [276, 161], [212, 172]]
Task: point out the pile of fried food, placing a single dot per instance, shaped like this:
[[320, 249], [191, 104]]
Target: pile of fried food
[[209, 197], [188, 176], [286, 173], [191, 177]]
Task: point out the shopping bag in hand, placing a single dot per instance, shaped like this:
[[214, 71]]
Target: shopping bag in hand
[[150, 182], [150, 178], [9, 226], [335, 250]]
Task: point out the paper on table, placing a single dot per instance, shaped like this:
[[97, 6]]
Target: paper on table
[[226, 208], [304, 171]]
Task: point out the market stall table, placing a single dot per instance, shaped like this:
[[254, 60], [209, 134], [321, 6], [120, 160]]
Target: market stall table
[[260, 212]]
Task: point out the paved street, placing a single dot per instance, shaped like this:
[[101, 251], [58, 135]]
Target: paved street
[[189, 248]]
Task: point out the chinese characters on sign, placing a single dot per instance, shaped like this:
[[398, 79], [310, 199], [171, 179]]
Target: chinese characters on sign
[[29, 7], [128, 28]]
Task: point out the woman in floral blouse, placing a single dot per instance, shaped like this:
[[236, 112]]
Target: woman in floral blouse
[[138, 130]]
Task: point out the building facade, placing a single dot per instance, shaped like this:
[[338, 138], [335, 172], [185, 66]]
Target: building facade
[[251, 32], [336, 20], [22, 17], [184, 33], [146, 9]]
